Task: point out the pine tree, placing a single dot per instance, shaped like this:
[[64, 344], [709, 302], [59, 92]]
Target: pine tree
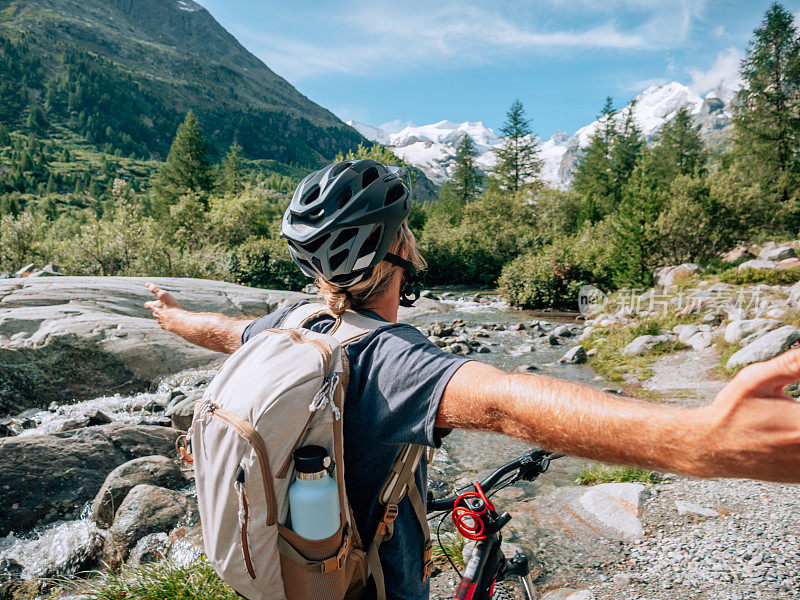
[[187, 167], [467, 177], [634, 235], [5, 138], [52, 186], [594, 175], [625, 151], [233, 172], [766, 119], [679, 149], [518, 162]]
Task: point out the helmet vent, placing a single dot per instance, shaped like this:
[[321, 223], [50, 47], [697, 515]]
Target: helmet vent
[[317, 264], [369, 176], [394, 194], [371, 243], [344, 197], [345, 235], [339, 169], [314, 245], [311, 197], [337, 259]]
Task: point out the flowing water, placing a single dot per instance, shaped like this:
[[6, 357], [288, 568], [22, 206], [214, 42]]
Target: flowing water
[[58, 548]]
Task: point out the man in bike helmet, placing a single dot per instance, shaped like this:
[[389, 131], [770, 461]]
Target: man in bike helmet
[[346, 227]]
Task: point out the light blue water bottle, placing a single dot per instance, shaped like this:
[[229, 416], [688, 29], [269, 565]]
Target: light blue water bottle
[[314, 495]]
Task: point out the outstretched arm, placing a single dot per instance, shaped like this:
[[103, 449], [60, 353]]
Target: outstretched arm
[[210, 330], [751, 429]]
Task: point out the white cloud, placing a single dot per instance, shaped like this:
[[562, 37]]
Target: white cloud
[[719, 31], [377, 36], [723, 74]]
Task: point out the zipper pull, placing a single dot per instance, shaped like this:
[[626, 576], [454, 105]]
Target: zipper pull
[[334, 383]]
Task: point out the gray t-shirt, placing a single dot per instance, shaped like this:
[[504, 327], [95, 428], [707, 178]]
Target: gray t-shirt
[[397, 378]]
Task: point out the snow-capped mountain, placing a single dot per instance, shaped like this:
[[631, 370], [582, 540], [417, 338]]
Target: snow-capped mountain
[[432, 148]]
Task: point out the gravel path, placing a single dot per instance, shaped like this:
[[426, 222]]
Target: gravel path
[[750, 549]]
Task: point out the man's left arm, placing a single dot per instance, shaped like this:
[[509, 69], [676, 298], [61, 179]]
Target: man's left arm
[[751, 429]]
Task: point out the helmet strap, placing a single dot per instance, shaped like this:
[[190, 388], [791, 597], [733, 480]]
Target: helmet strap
[[409, 293]]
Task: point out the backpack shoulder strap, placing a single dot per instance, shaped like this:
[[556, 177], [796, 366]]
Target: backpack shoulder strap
[[400, 483], [349, 327]]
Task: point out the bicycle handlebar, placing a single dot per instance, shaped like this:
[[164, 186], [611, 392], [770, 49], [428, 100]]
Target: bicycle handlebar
[[530, 465]]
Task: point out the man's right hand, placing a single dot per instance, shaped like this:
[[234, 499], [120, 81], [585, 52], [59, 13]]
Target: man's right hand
[[209, 330], [165, 308]]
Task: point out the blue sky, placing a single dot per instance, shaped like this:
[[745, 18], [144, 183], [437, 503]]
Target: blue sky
[[377, 61]]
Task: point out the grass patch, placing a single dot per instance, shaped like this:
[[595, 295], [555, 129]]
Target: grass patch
[[195, 581], [766, 276], [726, 350], [605, 474], [659, 396], [616, 366], [453, 544]]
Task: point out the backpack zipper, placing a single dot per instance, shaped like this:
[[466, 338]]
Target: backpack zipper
[[248, 432], [244, 514]]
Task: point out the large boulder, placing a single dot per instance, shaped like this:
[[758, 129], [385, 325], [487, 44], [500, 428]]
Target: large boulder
[[666, 276], [146, 509], [765, 347], [777, 253], [739, 329], [647, 343], [154, 470], [49, 477]]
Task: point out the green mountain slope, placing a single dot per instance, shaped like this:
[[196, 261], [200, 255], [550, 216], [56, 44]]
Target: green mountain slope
[[122, 74]]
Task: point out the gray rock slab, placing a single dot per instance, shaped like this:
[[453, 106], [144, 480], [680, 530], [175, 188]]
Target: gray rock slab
[[776, 254], [57, 321], [757, 264]]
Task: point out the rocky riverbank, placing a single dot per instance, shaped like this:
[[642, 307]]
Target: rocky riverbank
[[109, 490]]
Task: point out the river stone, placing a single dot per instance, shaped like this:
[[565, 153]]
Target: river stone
[[574, 356], [777, 254], [44, 478], [151, 548], [154, 470], [562, 331], [691, 509], [757, 264], [765, 347], [146, 509], [181, 414], [736, 331], [617, 506], [646, 343]]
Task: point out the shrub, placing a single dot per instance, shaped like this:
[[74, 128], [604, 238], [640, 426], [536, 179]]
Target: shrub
[[766, 276], [266, 263], [546, 279]]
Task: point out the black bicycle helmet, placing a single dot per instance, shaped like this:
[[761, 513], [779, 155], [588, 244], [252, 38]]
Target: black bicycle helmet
[[343, 218]]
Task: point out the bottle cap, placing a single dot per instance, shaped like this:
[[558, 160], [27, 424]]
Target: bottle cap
[[311, 459]]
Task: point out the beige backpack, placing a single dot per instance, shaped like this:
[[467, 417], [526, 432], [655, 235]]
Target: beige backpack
[[284, 389]]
